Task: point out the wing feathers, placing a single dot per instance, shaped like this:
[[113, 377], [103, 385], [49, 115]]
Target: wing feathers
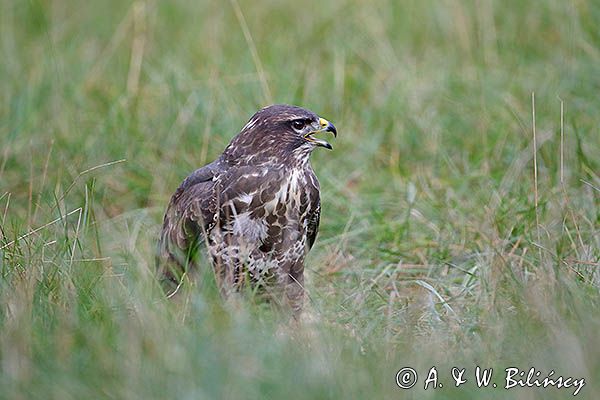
[[190, 213]]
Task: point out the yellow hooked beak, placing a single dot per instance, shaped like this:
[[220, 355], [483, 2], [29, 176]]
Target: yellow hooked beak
[[326, 126]]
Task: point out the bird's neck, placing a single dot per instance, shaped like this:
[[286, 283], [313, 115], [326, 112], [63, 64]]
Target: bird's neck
[[268, 152], [300, 156]]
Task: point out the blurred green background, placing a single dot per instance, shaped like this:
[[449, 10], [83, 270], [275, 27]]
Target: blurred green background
[[437, 245]]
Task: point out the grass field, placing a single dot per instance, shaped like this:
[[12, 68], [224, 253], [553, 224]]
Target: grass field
[[460, 222]]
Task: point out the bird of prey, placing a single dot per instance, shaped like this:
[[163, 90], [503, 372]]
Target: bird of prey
[[255, 210]]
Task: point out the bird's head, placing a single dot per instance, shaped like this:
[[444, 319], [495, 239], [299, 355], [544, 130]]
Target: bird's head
[[282, 128]]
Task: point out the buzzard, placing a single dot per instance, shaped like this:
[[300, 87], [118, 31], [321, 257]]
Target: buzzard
[[255, 209]]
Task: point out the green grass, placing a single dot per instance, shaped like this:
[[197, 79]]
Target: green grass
[[432, 250]]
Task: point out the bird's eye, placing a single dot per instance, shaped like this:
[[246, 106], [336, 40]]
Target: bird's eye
[[298, 124]]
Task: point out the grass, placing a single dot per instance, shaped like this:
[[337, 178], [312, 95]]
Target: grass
[[437, 245]]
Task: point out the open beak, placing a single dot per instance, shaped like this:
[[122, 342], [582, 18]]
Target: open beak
[[326, 126]]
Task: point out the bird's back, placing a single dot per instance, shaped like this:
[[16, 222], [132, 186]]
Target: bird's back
[[191, 212]]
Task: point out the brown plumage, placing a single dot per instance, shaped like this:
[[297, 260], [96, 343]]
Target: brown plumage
[[255, 209]]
